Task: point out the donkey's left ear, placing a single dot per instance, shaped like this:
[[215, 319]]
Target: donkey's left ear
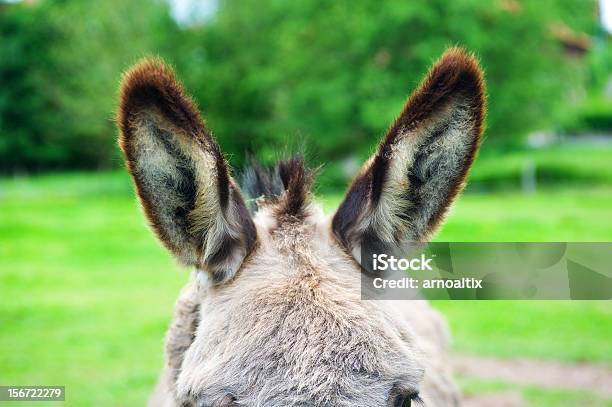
[[184, 184], [404, 190]]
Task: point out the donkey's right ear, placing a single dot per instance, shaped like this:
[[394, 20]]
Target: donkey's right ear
[[404, 190], [181, 177]]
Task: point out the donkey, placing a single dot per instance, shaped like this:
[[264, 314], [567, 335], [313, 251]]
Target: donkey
[[272, 315]]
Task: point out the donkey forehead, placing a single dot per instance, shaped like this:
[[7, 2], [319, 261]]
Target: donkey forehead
[[297, 353], [298, 331]]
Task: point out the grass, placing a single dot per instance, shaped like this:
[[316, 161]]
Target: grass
[[533, 395], [562, 330], [87, 292]]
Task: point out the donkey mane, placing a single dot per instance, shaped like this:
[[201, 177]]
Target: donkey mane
[[286, 186]]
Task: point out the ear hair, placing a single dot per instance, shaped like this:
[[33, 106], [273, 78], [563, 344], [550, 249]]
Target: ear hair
[[404, 190], [181, 177]]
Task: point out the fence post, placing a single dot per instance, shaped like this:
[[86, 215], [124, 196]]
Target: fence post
[[528, 177]]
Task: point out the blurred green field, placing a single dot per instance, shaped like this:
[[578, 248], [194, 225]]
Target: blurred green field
[[561, 165], [87, 291]]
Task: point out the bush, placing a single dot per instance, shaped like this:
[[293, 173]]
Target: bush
[[595, 115]]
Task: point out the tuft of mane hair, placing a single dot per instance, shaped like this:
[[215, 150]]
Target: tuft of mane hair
[[286, 186]]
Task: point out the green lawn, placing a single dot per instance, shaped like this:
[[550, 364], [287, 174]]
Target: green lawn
[[86, 291], [533, 395]]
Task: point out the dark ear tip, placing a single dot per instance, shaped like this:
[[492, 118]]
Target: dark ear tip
[[146, 75], [459, 71], [462, 59], [147, 69], [151, 83]]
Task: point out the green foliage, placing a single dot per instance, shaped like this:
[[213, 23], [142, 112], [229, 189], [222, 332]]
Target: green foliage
[[562, 165], [330, 76], [60, 62], [28, 133], [336, 74], [593, 115]]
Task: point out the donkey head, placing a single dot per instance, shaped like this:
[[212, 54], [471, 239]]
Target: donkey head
[[274, 316]]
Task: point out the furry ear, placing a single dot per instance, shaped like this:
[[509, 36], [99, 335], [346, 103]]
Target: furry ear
[[184, 184], [404, 190]]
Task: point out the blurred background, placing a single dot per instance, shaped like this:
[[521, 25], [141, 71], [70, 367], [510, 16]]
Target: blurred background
[[86, 292]]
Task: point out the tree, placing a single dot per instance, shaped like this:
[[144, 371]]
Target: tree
[[337, 73], [331, 75], [60, 64]]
